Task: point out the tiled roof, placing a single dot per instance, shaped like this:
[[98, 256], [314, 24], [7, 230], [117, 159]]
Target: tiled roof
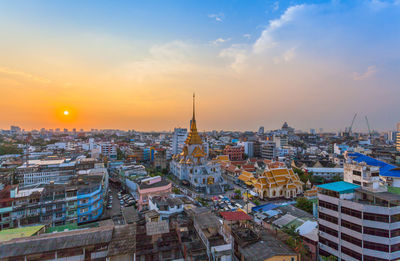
[[234, 215]]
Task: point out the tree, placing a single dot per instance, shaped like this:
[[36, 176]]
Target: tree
[[256, 202], [120, 154], [237, 191], [9, 149], [329, 258], [304, 204]]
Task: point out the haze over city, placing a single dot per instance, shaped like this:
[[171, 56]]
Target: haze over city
[[135, 65]]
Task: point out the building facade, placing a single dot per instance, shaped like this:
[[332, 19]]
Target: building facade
[[178, 140], [359, 218], [235, 153]]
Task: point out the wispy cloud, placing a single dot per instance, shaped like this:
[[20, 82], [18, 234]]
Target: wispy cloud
[[287, 56], [275, 6], [220, 41], [371, 70], [247, 36], [27, 76], [217, 17]]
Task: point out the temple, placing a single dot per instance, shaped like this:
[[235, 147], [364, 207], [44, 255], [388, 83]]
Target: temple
[[192, 165]]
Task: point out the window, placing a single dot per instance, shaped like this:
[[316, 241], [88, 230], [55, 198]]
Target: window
[[376, 217], [371, 258], [351, 239], [83, 210], [395, 218], [351, 212], [328, 243], [356, 182], [374, 174], [328, 218], [395, 248], [395, 233], [328, 205], [351, 226], [356, 172], [376, 232], [376, 246], [351, 253], [328, 230]]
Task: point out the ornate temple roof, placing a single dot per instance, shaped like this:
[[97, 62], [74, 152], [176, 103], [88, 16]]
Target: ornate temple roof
[[193, 136]]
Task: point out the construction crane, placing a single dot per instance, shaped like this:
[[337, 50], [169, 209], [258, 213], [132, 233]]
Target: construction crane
[[369, 129], [351, 126]]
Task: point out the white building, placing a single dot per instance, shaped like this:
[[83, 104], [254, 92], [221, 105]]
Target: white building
[[359, 218], [191, 164], [178, 140], [109, 150], [248, 148], [326, 173]]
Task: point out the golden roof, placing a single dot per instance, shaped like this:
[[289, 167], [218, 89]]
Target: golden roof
[[193, 136], [198, 153]]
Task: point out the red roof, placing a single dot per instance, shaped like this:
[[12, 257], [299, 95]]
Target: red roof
[[234, 215]]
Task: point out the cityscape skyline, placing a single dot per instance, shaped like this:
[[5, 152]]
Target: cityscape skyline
[[133, 65]]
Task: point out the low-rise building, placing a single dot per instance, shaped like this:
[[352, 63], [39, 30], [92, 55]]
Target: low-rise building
[[150, 187]]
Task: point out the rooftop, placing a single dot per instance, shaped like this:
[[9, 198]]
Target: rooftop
[[8, 234], [385, 169], [268, 247], [341, 187], [234, 215]]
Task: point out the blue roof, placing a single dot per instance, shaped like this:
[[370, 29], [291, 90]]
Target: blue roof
[[340, 186], [264, 207], [385, 169]]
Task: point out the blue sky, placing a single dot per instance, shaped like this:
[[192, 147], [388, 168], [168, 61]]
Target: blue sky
[[311, 63]]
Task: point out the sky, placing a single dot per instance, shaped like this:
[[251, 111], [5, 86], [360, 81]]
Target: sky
[[135, 64]]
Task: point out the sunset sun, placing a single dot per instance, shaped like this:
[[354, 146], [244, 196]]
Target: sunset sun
[[66, 113]]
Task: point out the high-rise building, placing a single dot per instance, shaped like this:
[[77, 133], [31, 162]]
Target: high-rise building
[[359, 218], [268, 150], [398, 137], [261, 130], [15, 129], [178, 140]]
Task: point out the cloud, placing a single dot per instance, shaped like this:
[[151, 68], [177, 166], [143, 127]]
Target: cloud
[[248, 36], [275, 6], [218, 17], [20, 74], [371, 71], [238, 53], [220, 41], [266, 40], [287, 56]]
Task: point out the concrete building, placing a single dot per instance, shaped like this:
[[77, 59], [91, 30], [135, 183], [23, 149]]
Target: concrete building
[[105, 242], [235, 153], [109, 150], [359, 218], [326, 173], [78, 201], [150, 187], [248, 148], [268, 150], [178, 140], [398, 137]]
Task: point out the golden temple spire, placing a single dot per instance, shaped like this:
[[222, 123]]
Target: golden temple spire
[[193, 136]]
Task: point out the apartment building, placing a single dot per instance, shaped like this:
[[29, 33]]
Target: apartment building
[[359, 218], [235, 153], [78, 201], [398, 137], [268, 150], [109, 150], [178, 140]]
